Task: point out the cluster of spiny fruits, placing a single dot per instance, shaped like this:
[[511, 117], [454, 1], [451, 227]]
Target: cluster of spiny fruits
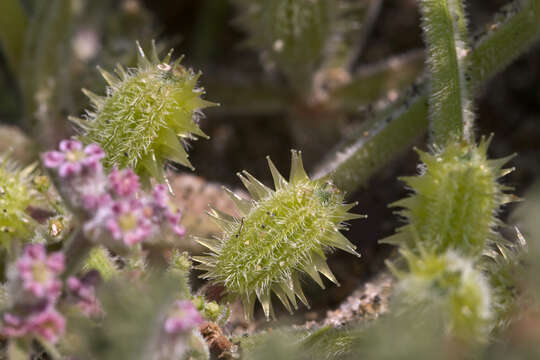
[[113, 186]]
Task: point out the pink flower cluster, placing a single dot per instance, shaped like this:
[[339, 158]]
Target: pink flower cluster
[[39, 272], [47, 323], [117, 209], [183, 318], [74, 159], [82, 292], [36, 273], [126, 214]]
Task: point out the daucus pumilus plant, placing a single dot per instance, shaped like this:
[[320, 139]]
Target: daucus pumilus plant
[[95, 259]]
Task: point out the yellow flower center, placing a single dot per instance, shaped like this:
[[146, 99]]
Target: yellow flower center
[[127, 221], [75, 155], [40, 272]]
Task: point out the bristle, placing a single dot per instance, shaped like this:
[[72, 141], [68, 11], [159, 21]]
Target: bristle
[[297, 167], [244, 206], [109, 78], [259, 188], [211, 244], [279, 180]]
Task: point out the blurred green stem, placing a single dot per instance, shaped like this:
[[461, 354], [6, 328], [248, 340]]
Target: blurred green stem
[[77, 249], [395, 128], [45, 70], [373, 81], [368, 84], [13, 22]]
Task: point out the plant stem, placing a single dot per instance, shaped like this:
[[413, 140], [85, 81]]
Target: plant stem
[[353, 23], [77, 250], [13, 22], [510, 37], [392, 132], [450, 105], [394, 129], [373, 81], [44, 71]]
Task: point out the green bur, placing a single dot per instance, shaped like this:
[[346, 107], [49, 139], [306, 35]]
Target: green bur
[[454, 202], [291, 34], [281, 234], [451, 281], [145, 116], [16, 195]]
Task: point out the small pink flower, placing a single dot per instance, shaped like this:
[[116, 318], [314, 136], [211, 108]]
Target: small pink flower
[[39, 272], [93, 202], [165, 209], [161, 196], [13, 326], [72, 159], [128, 222], [48, 324], [183, 318], [124, 182], [83, 292]]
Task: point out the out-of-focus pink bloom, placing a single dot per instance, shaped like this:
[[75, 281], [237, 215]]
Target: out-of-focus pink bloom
[[161, 196], [39, 271], [83, 292], [128, 222], [48, 324], [93, 202], [165, 209], [183, 318], [124, 182], [13, 326], [73, 158]]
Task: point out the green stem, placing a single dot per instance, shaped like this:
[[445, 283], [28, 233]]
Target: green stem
[[512, 36], [353, 22], [44, 71], [242, 97], [13, 22], [373, 81], [450, 105], [50, 349], [367, 84], [352, 164], [77, 250], [390, 134]]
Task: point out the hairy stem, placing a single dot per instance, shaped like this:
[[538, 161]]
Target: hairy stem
[[445, 33], [395, 128], [517, 31]]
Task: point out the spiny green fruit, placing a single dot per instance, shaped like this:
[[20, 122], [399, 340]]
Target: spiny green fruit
[[99, 259], [282, 233], [503, 266], [451, 280], [16, 194], [455, 201], [290, 33], [145, 112]]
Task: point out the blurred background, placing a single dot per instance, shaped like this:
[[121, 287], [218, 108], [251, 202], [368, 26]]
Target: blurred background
[[267, 106]]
